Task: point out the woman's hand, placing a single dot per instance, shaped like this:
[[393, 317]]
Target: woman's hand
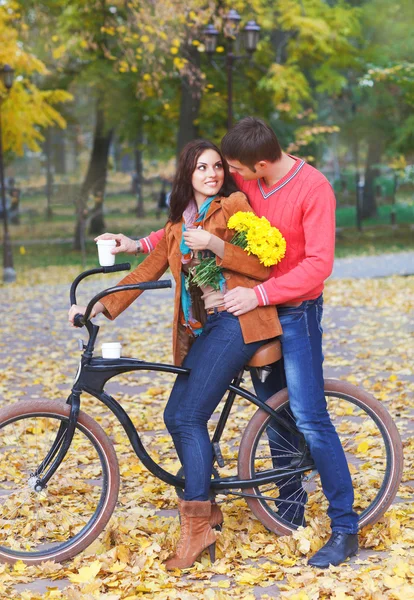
[[123, 243], [197, 239], [80, 310]]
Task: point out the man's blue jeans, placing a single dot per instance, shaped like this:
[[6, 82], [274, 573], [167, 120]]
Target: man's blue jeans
[[216, 356], [301, 371]]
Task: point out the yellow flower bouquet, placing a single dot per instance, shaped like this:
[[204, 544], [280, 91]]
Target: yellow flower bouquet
[[256, 236]]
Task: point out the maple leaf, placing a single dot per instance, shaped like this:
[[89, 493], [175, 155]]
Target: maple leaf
[[85, 574]]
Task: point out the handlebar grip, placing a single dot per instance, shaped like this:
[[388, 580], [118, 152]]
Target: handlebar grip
[[116, 268], [155, 285], [78, 320]]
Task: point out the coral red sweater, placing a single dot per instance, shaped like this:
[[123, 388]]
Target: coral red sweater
[[302, 206]]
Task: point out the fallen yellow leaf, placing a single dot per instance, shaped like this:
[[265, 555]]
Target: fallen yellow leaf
[[86, 574], [363, 447]]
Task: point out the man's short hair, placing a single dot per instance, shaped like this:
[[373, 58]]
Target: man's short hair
[[250, 141]]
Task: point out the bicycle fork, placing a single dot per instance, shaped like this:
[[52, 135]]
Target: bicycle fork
[[59, 447]]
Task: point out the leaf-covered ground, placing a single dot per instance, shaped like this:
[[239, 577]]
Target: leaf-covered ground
[[368, 341]]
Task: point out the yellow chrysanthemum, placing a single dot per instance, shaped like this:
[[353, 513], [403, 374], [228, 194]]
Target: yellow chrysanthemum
[[260, 238], [241, 221]]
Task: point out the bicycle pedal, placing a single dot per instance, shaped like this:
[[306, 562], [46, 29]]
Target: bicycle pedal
[[218, 454]]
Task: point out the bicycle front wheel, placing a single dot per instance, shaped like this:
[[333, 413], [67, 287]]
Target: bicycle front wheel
[[65, 517], [372, 447]]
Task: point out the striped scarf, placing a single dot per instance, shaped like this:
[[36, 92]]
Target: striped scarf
[[190, 218]]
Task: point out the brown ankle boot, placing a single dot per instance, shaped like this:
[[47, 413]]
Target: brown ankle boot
[[216, 517], [196, 534]]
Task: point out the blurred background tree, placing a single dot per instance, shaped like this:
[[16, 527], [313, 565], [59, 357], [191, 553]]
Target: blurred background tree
[[334, 79], [28, 110]]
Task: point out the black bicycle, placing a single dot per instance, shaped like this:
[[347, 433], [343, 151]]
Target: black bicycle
[[59, 478]]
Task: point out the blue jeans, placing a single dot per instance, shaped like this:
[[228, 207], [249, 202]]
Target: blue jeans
[[216, 356], [301, 371]]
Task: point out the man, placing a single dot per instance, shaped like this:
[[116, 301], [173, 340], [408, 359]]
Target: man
[[299, 201]]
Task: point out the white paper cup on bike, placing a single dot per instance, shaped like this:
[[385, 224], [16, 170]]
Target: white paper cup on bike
[[111, 350], [106, 258]]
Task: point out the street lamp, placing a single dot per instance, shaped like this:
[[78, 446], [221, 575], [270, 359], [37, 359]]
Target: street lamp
[[252, 33], [9, 274], [232, 23], [231, 31]]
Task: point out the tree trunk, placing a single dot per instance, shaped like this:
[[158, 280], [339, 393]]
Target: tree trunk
[[59, 151], [49, 173], [139, 173], [95, 179], [191, 89], [369, 201], [96, 218]]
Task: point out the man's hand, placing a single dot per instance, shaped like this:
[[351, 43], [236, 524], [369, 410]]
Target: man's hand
[[240, 300], [123, 243], [197, 239]]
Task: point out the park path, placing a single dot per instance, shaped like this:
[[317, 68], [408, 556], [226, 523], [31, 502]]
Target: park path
[[357, 345], [380, 265]]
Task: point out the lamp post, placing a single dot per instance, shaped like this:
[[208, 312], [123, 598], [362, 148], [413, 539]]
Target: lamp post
[[231, 30], [9, 274]]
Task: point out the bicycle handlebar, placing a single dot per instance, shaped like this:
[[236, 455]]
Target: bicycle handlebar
[[80, 320], [116, 268], [112, 269]]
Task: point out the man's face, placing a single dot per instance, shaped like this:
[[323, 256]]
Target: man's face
[[246, 172]]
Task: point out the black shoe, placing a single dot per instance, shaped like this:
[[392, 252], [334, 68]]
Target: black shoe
[[338, 548]]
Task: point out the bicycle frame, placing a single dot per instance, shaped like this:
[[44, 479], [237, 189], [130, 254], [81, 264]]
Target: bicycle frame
[[92, 377], [94, 372]]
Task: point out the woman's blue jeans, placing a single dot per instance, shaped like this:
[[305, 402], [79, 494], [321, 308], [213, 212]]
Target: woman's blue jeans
[[215, 358], [301, 371]]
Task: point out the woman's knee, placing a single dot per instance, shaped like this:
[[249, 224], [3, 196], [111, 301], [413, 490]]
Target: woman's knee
[[186, 423], [176, 420], [170, 419]]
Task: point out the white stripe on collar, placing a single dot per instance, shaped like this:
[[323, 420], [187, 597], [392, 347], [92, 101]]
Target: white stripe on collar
[[266, 195]]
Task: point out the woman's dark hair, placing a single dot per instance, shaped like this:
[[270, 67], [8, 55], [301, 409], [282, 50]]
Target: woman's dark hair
[[250, 141], [182, 189]]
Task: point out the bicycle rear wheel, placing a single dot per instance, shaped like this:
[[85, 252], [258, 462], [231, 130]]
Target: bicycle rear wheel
[[65, 517], [372, 447]]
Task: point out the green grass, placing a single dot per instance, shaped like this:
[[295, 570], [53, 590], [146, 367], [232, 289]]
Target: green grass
[[404, 213], [60, 254], [374, 240], [349, 242], [119, 211], [31, 248]]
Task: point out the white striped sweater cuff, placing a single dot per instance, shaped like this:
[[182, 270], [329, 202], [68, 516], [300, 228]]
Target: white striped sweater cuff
[[147, 245], [261, 293]]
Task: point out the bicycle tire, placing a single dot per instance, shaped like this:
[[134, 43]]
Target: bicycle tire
[[109, 463], [345, 391]]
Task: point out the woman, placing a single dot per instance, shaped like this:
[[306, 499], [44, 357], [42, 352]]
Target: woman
[[207, 339]]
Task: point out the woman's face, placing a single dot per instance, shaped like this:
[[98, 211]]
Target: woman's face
[[208, 175]]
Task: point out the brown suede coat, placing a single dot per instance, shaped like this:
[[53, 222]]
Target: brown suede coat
[[240, 269]]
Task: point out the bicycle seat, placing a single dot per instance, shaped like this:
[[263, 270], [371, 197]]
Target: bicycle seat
[[266, 354]]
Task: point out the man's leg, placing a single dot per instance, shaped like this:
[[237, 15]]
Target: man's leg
[[283, 448], [302, 350]]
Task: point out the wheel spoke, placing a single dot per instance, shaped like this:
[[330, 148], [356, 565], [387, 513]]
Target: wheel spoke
[[279, 434]]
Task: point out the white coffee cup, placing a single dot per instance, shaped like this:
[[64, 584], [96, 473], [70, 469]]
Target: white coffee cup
[[111, 350], [106, 259]]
